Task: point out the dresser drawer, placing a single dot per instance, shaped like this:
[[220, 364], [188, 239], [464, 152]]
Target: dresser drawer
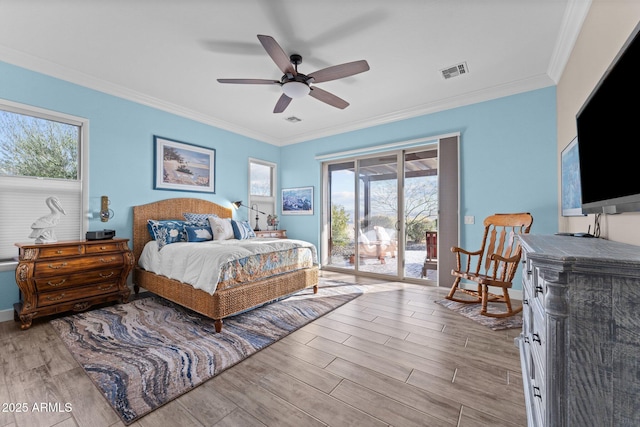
[[73, 265], [538, 338], [59, 251], [77, 293], [47, 284], [103, 247]]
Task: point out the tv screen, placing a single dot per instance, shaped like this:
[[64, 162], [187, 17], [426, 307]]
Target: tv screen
[[607, 127], [571, 195]]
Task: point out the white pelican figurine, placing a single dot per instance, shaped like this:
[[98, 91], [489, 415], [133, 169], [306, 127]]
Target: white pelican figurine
[[43, 227]]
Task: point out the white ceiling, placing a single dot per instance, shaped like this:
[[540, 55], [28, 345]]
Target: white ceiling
[[168, 54]]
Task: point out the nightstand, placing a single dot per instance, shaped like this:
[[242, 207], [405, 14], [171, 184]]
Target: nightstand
[[278, 234], [70, 276]]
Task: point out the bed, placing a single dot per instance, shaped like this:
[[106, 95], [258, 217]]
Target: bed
[[224, 301]]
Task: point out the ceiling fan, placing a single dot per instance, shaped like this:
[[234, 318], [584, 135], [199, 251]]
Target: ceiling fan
[[298, 85]]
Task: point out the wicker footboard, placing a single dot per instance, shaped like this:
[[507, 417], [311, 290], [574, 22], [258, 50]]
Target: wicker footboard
[[230, 301]]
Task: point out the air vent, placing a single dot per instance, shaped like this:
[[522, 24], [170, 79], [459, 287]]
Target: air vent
[[455, 70], [293, 119]]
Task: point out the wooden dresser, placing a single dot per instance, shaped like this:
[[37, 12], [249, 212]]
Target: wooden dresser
[[70, 275], [580, 342], [278, 234]]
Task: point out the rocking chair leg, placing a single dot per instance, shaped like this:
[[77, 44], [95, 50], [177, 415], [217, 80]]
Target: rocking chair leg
[[484, 291], [454, 288]]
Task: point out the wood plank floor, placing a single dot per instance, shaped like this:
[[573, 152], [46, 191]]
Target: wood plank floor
[[392, 357]]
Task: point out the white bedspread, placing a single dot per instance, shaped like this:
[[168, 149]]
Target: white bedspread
[[199, 264]]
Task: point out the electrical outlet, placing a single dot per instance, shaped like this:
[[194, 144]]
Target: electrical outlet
[[469, 219]]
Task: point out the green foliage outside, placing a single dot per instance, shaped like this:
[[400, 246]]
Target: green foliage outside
[[37, 147], [339, 226]]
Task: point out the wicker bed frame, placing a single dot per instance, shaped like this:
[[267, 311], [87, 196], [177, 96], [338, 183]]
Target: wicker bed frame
[[222, 303]]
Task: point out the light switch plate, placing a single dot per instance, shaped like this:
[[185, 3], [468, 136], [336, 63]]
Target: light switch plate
[[469, 219]]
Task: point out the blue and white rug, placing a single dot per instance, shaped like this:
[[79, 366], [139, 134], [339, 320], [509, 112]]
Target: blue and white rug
[[148, 352], [472, 311]]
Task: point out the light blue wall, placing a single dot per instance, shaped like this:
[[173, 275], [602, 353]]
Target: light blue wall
[[121, 150], [508, 155], [507, 160]]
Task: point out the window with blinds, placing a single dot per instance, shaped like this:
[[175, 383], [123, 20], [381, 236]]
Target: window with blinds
[[41, 155]]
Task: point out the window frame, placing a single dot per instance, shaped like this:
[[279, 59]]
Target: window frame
[[266, 204], [83, 160]]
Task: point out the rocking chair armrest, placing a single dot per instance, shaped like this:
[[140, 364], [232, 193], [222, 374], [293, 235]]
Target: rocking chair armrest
[[456, 249], [510, 260]]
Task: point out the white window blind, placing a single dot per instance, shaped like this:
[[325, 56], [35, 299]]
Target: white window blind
[[22, 202]]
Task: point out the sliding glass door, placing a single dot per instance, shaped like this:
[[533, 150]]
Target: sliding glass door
[[383, 213]]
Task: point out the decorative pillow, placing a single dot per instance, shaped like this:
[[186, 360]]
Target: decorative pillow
[[221, 227], [199, 233], [381, 234], [242, 230], [167, 231], [198, 219]]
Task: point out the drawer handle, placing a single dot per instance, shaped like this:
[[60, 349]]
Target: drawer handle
[[536, 338], [57, 267], [105, 288], [103, 248], [106, 276], [539, 289], [536, 392], [525, 301], [58, 298], [108, 260], [59, 252], [526, 340], [57, 284]]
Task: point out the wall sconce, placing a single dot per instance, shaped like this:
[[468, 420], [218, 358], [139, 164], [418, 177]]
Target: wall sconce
[[239, 203], [105, 213]]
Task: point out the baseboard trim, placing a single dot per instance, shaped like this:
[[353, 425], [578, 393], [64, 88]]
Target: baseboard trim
[[6, 315]]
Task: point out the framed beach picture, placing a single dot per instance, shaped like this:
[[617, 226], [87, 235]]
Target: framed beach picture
[[183, 167], [297, 201], [571, 193]]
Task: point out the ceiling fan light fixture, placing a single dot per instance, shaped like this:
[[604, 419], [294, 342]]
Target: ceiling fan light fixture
[[296, 89]]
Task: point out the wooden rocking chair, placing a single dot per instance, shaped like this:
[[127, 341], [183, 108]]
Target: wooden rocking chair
[[497, 262]]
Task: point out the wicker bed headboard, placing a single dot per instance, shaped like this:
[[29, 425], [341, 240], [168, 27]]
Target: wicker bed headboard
[[168, 209]]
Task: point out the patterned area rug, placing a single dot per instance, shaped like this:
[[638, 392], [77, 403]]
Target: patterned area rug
[[472, 311], [146, 353]]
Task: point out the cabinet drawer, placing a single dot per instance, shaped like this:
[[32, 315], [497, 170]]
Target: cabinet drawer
[[47, 284], [537, 344], [104, 247], [59, 251], [72, 294], [538, 288], [73, 265]]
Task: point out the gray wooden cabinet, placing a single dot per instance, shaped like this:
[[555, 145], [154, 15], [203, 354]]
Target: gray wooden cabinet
[[580, 341]]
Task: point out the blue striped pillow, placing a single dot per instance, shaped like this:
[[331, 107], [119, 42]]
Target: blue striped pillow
[[242, 230], [197, 218]]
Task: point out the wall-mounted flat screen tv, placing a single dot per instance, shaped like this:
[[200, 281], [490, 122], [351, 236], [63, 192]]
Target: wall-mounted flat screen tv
[[608, 136], [571, 194]]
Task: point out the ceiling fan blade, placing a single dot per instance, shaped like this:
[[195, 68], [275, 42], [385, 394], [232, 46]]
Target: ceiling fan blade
[[282, 104], [339, 71], [328, 98], [277, 54], [249, 81]]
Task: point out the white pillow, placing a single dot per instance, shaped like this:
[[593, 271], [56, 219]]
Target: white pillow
[[221, 227], [381, 234]]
